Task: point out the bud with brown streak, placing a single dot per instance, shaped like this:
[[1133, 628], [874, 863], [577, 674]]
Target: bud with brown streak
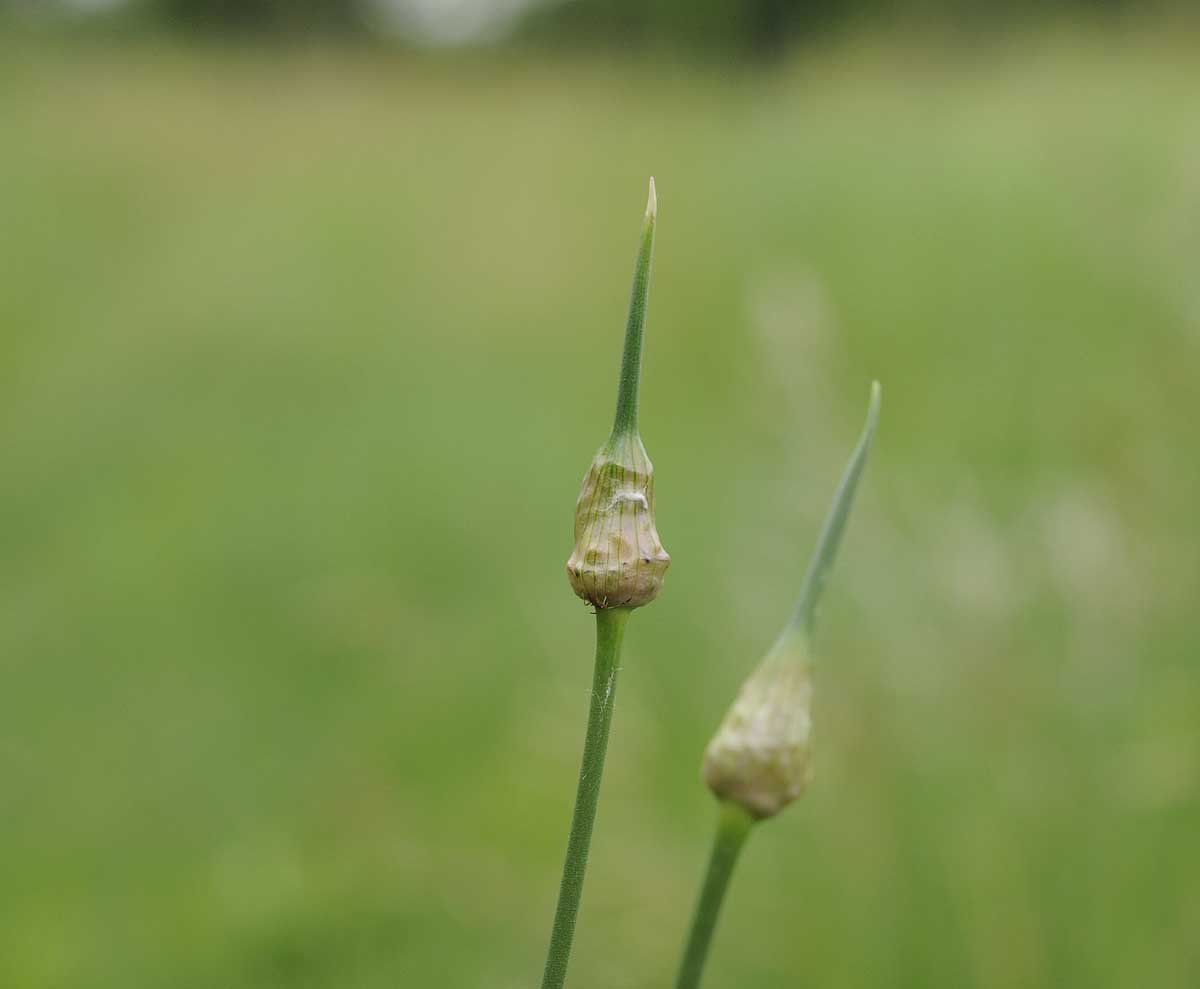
[[619, 560]]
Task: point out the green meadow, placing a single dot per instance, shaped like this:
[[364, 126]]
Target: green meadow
[[303, 353]]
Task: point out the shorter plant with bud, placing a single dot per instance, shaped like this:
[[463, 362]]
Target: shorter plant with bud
[[759, 760]]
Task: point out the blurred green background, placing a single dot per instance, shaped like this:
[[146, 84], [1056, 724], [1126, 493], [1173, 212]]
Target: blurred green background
[[304, 347]]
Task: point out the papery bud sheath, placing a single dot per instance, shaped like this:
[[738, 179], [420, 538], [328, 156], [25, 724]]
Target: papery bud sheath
[[619, 560], [760, 755]]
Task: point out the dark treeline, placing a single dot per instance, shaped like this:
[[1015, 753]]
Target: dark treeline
[[258, 16], [752, 25], [764, 25]]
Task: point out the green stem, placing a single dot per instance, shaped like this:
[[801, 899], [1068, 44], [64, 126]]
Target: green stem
[[733, 827], [625, 420], [610, 630], [835, 523]]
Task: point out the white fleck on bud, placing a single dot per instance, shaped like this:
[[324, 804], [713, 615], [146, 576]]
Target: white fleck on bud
[[619, 560], [760, 756]]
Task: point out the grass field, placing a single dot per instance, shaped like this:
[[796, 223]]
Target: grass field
[[302, 357]]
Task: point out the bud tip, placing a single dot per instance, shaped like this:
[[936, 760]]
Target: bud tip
[[652, 202]]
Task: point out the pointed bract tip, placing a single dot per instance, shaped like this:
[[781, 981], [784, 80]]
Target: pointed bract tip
[[873, 407], [652, 201]]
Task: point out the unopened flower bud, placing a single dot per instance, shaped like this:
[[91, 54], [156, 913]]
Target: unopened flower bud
[[760, 755], [619, 560]]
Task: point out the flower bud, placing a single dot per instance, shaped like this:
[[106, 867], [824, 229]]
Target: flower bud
[[760, 755], [618, 560]]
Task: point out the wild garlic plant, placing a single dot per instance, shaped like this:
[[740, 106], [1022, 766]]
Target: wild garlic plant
[[758, 762], [618, 564]]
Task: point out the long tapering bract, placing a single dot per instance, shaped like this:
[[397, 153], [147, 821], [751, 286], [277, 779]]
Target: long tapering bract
[[626, 418], [835, 523]]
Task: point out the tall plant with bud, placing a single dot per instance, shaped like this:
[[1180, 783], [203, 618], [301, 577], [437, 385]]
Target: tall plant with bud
[[618, 564], [758, 762]]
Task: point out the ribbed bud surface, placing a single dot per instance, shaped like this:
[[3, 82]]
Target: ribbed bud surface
[[618, 560], [760, 756]]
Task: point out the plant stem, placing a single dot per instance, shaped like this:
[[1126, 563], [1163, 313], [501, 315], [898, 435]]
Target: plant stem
[[610, 630], [733, 827]]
